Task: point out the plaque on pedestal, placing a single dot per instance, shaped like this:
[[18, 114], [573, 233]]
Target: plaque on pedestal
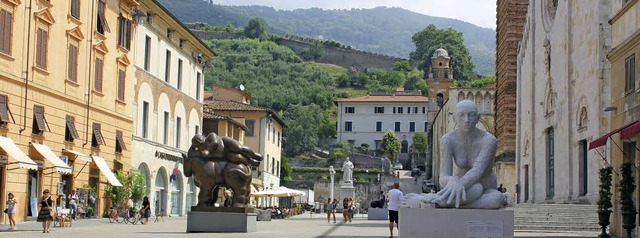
[[221, 222], [456, 223]]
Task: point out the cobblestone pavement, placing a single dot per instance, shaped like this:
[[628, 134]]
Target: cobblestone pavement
[[305, 225]]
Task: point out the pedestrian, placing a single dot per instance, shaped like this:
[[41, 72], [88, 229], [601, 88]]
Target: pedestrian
[[394, 205], [46, 208], [345, 209], [227, 198], [72, 198], [334, 206], [146, 209], [11, 211], [351, 208], [328, 209]]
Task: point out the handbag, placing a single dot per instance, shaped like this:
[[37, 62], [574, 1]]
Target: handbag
[[6, 210]]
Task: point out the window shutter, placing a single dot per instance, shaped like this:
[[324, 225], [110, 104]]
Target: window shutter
[[38, 46], [120, 140], [38, 112], [128, 38], [71, 124], [3, 27], [98, 81], [121, 77], [119, 32], [4, 105], [70, 63], [97, 134], [75, 63], [44, 49]]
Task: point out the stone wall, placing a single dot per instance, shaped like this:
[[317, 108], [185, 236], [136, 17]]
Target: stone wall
[[344, 57], [511, 16]]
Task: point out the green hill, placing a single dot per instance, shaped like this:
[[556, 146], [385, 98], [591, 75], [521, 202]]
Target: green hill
[[381, 30]]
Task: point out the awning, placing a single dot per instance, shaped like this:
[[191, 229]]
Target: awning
[[14, 152], [630, 131], [106, 171], [603, 139], [78, 155], [58, 164], [131, 168]]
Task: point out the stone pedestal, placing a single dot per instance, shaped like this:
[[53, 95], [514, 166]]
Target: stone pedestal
[[377, 214], [221, 222], [346, 190], [463, 223]]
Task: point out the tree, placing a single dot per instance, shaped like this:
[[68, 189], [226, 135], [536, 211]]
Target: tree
[[286, 171], [229, 28], [402, 66], [420, 142], [342, 150], [118, 194], [431, 38], [303, 127], [364, 148], [390, 144], [313, 52], [255, 29], [138, 188]]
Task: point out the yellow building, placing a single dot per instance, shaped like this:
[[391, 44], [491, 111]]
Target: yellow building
[[65, 108], [625, 100]]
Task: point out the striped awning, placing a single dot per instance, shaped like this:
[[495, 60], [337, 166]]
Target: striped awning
[[46, 152], [104, 168], [78, 155], [15, 153]]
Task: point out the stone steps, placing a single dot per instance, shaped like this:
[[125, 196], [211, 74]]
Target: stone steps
[[555, 217]]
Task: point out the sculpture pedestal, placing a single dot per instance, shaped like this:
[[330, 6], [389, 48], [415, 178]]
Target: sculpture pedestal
[[461, 223], [221, 222], [377, 214], [346, 190]]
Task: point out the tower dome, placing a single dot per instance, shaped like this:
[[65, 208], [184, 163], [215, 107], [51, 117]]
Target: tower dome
[[440, 52]]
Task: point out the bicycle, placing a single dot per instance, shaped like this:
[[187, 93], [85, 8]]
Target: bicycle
[[114, 215], [135, 218]]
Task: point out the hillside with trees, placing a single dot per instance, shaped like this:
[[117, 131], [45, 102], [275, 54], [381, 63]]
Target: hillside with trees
[[381, 30]]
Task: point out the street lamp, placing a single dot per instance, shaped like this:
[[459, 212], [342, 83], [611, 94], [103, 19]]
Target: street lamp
[[331, 172]]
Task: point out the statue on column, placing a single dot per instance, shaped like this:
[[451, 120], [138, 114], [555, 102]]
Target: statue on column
[[347, 171]]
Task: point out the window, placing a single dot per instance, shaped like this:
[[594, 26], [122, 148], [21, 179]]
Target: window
[[348, 126], [629, 150], [149, 18], [378, 126], [266, 163], [198, 86], [72, 71], [39, 123], [426, 126], [379, 110], [145, 120], [412, 126], [165, 133], [97, 139], [397, 126], [550, 163], [179, 73], [97, 85], [630, 74], [124, 32], [424, 110], [4, 110], [70, 132], [583, 172], [415, 110], [147, 52], [75, 9], [182, 43], [42, 39], [167, 67], [278, 139], [349, 109], [394, 110], [169, 33], [273, 134], [121, 83], [101, 21], [400, 109], [378, 144], [250, 125], [120, 142], [273, 164], [6, 27], [268, 130], [178, 128], [408, 110]]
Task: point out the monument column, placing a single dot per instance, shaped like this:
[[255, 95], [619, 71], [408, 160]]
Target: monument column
[[332, 172]]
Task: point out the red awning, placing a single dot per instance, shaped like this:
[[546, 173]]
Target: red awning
[[631, 131], [603, 139]]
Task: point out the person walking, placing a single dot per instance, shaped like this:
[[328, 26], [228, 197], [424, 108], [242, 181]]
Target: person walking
[[11, 211], [146, 209], [394, 205], [351, 208], [328, 208], [46, 207], [334, 206], [72, 198]]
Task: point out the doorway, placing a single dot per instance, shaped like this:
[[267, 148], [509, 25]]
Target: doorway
[[32, 193], [526, 183]]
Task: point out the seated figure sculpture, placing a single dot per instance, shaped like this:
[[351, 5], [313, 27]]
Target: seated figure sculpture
[[466, 164], [221, 148]]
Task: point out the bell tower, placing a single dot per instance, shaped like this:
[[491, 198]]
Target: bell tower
[[440, 78]]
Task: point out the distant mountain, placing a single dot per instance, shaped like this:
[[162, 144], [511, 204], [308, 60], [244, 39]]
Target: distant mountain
[[381, 30]]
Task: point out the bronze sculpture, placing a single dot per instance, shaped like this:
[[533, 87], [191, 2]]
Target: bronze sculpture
[[217, 162]]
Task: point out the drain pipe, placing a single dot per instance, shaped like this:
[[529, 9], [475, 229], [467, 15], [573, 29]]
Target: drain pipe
[[26, 77], [86, 131]]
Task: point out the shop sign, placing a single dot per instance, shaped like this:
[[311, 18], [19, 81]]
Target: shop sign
[[4, 159], [40, 163], [170, 157]]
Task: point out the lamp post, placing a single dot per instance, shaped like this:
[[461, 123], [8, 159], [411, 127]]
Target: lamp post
[[331, 172]]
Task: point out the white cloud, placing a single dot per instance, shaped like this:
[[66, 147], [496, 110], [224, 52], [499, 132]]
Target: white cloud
[[478, 12]]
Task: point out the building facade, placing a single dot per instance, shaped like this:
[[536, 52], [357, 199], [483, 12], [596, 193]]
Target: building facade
[[264, 135], [167, 108], [625, 98], [65, 109], [365, 120], [562, 87]]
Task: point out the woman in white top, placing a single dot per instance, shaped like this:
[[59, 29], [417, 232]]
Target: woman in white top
[[11, 210]]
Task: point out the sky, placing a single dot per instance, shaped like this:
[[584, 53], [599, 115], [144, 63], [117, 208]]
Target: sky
[[478, 12]]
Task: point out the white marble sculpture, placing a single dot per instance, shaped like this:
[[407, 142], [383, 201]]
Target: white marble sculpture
[[347, 171], [466, 164]]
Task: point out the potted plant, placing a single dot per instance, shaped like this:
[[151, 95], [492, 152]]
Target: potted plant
[[604, 200], [627, 185]]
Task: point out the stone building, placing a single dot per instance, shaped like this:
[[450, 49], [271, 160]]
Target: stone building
[[264, 134], [510, 17], [562, 87], [167, 108], [625, 98], [65, 111]]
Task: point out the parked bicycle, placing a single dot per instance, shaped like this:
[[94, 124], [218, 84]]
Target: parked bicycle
[[135, 217], [115, 215]]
